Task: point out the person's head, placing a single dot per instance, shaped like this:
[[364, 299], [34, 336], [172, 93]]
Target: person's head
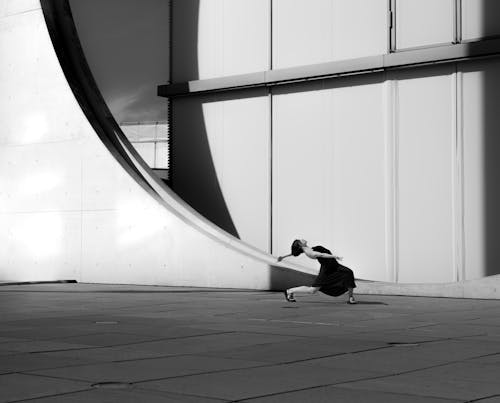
[[297, 246]]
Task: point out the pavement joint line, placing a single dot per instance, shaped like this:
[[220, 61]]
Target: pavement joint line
[[312, 359], [249, 399], [124, 344], [483, 398], [354, 381], [48, 396], [158, 392], [263, 365]]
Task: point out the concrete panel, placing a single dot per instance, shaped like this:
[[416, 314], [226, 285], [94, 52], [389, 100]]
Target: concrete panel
[[318, 31], [40, 246], [360, 28], [329, 173], [214, 38], [302, 185], [238, 132], [228, 137], [480, 19], [358, 200], [425, 150], [424, 23], [45, 177], [26, 80], [12, 7], [302, 32]]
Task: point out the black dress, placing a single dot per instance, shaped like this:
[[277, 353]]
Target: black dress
[[333, 278]]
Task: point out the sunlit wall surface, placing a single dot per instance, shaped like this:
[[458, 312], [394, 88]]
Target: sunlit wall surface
[[70, 210], [393, 171]]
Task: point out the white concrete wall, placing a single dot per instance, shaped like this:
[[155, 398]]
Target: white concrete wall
[[425, 147], [316, 31], [69, 210], [220, 38], [424, 23], [329, 172], [392, 172]]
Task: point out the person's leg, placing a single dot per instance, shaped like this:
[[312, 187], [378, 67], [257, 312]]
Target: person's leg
[[351, 299], [303, 289]]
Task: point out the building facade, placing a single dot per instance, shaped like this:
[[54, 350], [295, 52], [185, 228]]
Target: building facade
[[368, 126]]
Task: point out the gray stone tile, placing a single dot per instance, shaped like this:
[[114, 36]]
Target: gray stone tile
[[212, 342], [247, 383], [429, 385], [144, 370], [15, 387], [124, 396], [28, 362], [295, 350], [39, 346], [107, 339], [75, 323], [105, 354], [336, 394]]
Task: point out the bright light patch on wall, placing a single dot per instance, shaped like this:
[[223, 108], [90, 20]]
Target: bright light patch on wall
[[40, 182], [40, 235], [34, 128], [137, 223]]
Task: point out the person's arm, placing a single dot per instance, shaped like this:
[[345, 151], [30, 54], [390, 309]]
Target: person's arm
[[310, 253], [280, 258]]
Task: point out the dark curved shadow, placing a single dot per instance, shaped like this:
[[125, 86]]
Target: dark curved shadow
[[491, 147], [193, 175]]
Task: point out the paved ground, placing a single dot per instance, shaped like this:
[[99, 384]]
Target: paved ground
[[102, 343]]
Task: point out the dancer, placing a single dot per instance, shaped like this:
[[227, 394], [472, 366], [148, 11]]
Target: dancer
[[333, 278]]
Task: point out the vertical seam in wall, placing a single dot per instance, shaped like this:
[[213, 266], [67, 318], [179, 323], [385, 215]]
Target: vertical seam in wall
[[392, 27], [458, 21], [460, 176], [395, 177], [271, 148], [80, 268], [169, 100], [454, 176], [271, 34], [271, 170], [389, 178]]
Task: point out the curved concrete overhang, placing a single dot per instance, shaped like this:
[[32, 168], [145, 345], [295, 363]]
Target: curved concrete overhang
[[196, 252], [64, 37]]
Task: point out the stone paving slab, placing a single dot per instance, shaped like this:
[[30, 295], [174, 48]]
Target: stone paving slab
[[245, 383], [125, 396], [338, 394], [199, 345], [298, 350], [28, 362], [429, 385], [144, 370], [14, 387]]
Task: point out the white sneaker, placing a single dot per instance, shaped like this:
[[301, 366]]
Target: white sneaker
[[351, 301]]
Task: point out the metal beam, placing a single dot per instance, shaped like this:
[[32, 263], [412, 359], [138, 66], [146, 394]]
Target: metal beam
[[371, 64]]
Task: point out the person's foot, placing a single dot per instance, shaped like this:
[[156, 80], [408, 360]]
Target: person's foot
[[289, 297], [351, 301]]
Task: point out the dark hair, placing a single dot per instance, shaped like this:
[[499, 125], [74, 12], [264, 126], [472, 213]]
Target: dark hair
[[296, 247]]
